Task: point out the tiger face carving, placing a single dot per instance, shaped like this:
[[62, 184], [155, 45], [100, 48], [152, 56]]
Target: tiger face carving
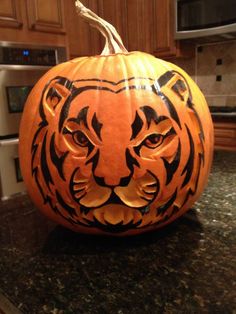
[[116, 156]]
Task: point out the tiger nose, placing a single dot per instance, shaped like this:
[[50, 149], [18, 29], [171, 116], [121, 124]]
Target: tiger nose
[[112, 169], [106, 182]]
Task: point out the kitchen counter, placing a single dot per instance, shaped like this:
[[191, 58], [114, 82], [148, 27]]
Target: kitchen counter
[[186, 267]]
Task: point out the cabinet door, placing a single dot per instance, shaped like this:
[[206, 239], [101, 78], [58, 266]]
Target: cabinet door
[[10, 14], [164, 43], [114, 12], [83, 39], [140, 25], [225, 136], [45, 15]]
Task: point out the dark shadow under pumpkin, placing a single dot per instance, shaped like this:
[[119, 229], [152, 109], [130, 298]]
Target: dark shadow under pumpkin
[[181, 236]]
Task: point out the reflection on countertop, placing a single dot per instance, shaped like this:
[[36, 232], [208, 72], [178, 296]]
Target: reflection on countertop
[[186, 267]]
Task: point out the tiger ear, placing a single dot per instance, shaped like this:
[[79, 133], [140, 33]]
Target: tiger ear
[[181, 88], [175, 82], [55, 93]]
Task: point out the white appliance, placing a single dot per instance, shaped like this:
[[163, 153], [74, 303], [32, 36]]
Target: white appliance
[[211, 20], [20, 68]]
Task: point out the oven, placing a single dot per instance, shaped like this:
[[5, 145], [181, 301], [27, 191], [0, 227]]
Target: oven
[[21, 66]]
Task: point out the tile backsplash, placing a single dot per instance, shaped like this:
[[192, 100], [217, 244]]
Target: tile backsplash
[[214, 70]]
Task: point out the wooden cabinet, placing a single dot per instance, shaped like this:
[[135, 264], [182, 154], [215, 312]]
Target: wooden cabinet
[[225, 135], [83, 40], [113, 12], [165, 46], [139, 20], [33, 21], [144, 25], [46, 16], [10, 14], [164, 43]]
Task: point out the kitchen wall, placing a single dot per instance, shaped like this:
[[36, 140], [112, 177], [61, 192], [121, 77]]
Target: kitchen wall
[[214, 70]]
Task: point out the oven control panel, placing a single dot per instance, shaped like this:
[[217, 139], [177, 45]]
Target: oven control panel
[[25, 56]]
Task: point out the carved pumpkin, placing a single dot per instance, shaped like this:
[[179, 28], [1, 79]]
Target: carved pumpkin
[[119, 143]]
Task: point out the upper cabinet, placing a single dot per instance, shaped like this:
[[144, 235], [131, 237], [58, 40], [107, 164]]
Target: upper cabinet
[[165, 46], [139, 25], [46, 16], [10, 14], [112, 11], [164, 43], [33, 21], [83, 40], [144, 25]]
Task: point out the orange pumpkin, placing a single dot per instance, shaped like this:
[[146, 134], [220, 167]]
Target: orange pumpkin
[[118, 144]]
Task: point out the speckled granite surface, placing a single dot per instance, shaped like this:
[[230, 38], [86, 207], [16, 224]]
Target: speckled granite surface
[[187, 267]]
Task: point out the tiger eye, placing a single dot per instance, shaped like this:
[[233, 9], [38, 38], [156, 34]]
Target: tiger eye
[[153, 140], [80, 138]]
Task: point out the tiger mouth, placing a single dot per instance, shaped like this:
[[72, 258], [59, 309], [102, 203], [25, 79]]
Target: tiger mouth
[[137, 195], [116, 218], [114, 215], [114, 200]]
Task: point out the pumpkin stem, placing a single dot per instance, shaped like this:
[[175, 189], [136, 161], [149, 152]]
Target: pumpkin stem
[[114, 42]]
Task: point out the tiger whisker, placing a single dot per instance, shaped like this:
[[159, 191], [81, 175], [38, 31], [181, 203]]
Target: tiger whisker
[[150, 192], [148, 199], [151, 185], [79, 181], [78, 189], [79, 195]]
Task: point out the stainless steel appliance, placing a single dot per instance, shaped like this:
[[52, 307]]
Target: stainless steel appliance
[[211, 20], [20, 68]]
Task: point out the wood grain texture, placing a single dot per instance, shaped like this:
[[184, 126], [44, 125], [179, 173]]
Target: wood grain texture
[[225, 136], [83, 40], [23, 33], [10, 14], [46, 16]]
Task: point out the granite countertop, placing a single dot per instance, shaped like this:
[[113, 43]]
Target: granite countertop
[[187, 267]]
